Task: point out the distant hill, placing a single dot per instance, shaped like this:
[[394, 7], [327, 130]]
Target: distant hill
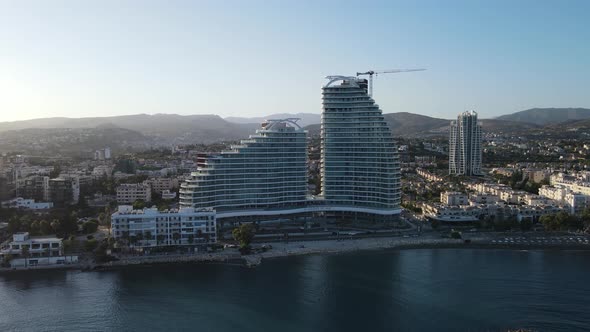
[[306, 118], [72, 141], [547, 116], [404, 123], [167, 128], [170, 129], [410, 124]]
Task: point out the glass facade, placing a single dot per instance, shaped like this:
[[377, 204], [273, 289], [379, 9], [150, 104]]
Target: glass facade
[[266, 171], [359, 161], [465, 145]]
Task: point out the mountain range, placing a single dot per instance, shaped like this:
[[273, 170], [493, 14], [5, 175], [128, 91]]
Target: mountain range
[[305, 119], [168, 129], [548, 116]]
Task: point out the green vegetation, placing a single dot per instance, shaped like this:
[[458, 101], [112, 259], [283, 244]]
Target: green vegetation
[[90, 245], [564, 221], [411, 207], [455, 234], [63, 223], [139, 204], [244, 235], [90, 227]]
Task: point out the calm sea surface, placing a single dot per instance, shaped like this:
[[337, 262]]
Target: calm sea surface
[[411, 290]]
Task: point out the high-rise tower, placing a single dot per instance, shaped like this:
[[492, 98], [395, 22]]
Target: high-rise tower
[[359, 161], [465, 145]]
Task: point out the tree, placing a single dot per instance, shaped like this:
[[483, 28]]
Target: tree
[[434, 224], [55, 225], [191, 238], [90, 227], [585, 219], [176, 237], [139, 204], [132, 240], [244, 235], [6, 260], [25, 253], [139, 237], [526, 224], [14, 224], [455, 234], [149, 236], [548, 222], [90, 245], [45, 227], [160, 238]]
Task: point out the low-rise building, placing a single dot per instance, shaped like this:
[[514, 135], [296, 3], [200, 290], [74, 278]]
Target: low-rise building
[[429, 176], [22, 203], [483, 198], [28, 251], [453, 198], [160, 185], [131, 192], [102, 171], [576, 203], [35, 187], [168, 195], [152, 228], [64, 191]]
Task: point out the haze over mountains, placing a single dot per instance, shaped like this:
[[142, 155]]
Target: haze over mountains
[[169, 129], [305, 119], [548, 116]]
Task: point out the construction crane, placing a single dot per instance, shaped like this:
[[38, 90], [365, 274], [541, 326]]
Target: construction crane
[[375, 72]]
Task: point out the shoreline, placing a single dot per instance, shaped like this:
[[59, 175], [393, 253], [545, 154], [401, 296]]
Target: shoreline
[[321, 247]]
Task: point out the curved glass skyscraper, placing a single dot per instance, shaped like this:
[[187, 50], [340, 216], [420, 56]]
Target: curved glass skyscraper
[[266, 171], [359, 161]]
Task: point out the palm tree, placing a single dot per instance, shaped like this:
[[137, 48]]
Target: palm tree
[[25, 253], [132, 240], [139, 236], [176, 237], [149, 236]]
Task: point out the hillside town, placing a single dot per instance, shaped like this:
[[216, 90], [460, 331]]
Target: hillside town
[[103, 205]]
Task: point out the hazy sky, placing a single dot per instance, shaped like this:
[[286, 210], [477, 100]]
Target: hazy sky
[[253, 58]]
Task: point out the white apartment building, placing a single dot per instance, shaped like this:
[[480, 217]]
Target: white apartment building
[[160, 185], [102, 170], [573, 202], [465, 145], [42, 250], [30, 204], [267, 171], [152, 228], [577, 184], [484, 198], [576, 203], [453, 198], [131, 192]]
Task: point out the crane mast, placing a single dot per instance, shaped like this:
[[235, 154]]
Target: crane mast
[[392, 71]]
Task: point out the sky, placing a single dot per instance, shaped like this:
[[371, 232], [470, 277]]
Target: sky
[[255, 58]]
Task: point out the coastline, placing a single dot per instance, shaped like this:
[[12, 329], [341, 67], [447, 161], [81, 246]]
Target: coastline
[[321, 247], [231, 256]]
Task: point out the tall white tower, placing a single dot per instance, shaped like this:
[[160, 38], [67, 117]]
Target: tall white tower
[[465, 145], [359, 161]]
